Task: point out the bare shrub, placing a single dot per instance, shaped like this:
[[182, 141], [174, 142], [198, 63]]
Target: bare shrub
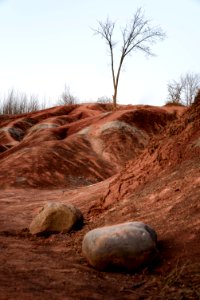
[[168, 103], [104, 100], [67, 98], [174, 92]]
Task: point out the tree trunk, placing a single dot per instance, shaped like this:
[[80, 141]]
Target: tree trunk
[[117, 81], [115, 97]]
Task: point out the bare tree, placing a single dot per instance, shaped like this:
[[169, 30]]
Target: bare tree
[[190, 85], [137, 35], [185, 89], [18, 103]]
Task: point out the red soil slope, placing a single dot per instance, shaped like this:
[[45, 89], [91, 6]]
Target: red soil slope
[[74, 145], [138, 163]]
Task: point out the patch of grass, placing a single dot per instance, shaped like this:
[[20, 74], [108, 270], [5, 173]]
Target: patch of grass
[[183, 281]]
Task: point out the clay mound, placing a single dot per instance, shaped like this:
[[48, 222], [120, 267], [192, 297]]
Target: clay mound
[[176, 147], [76, 145]]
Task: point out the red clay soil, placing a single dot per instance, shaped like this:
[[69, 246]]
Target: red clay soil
[[138, 163]]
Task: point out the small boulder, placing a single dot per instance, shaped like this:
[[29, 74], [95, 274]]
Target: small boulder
[[127, 246], [56, 217]]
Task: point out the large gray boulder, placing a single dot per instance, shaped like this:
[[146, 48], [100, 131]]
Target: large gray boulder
[[56, 217], [127, 246]]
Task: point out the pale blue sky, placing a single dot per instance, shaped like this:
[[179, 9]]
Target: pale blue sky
[[45, 44]]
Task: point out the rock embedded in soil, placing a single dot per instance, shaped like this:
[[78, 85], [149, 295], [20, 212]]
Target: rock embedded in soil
[[127, 246], [56, 217]]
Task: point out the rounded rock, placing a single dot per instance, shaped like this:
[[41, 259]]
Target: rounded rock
[[128, 246], [56, 217]]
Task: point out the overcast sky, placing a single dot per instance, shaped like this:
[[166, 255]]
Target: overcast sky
[[45, 44]]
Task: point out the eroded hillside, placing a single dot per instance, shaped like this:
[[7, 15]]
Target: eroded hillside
[[138, 163], [74, 145]]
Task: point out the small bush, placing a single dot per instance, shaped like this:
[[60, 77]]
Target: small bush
[[173, 103]]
